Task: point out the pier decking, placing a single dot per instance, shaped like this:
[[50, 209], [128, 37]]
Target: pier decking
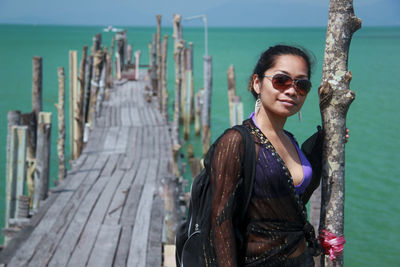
[[109, 210]]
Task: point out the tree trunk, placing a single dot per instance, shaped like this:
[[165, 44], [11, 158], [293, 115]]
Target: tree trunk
[[335, 99]]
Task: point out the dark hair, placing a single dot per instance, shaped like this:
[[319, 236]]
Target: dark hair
[[268, 57]]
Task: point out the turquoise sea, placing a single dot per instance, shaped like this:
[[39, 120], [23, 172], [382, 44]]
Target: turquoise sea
[[372, 214]]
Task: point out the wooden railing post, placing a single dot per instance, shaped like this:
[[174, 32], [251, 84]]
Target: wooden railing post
[[14, 118], [73, 91], [164, 92], [206, 107], [42, 171], [61, 124], [137, 63]]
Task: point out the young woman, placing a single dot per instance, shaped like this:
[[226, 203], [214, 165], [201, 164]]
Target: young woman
[[276, 230]]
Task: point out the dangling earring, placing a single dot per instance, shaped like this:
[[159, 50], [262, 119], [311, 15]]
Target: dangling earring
[[258, 105], [299, 116]]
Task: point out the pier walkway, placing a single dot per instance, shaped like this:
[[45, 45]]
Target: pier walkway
[[109, 210]]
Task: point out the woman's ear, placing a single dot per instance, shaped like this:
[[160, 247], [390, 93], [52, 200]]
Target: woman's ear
[[256, 84]]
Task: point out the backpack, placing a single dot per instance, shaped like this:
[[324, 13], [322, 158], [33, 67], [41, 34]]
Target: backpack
[[191, 235]]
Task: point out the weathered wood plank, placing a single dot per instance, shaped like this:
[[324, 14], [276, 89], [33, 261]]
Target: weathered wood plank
[[115, 209], [58, 254], [27, 250], [122, 141], [154, 248], [111, 138], [111, 165], [121, 256], [138, 249], [82, 250], [105, 247], [130, 209], [129, 158]]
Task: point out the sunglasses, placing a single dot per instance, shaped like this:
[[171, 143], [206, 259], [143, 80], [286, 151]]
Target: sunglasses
[[283, 81]]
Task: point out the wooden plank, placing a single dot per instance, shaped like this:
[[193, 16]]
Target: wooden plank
[[130, 209], [128, 159], [125, 116], [52, 236], [105, 247], [138, 249], [115, 209], [84, 247], [111, 138], [111, 165], [122, 141], [121, 256], [154, 249], [60, 244], [27, 250]]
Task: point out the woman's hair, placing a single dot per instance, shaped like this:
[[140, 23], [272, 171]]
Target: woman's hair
[[268, 58]]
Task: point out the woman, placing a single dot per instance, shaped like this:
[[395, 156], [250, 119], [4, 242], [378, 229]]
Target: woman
[[276, 231]]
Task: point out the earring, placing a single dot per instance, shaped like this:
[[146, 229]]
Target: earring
[[258, 105], [299, 116]]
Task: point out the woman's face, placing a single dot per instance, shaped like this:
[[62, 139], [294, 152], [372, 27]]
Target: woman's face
[[282, 102]]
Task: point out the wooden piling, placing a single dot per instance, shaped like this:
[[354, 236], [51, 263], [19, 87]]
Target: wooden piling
[[42, 159], [29, 120], [37, 81], [20, 137], [23, 206], [189, 90], [231, 90], [73, 91], [153, 74], [206, 106], [13, 118], [159, 86], [97, 66], [164, 92], [190, 63], [137, 63], [80, 118], [61, 122], [197, 105], [121, 49], [129, 50]]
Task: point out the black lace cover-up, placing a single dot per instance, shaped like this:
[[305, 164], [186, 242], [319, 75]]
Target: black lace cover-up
[[276, 223]]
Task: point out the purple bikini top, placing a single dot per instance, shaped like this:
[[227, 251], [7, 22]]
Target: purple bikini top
[[307, 169]]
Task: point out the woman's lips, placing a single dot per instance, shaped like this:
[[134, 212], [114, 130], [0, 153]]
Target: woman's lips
[[287, 102]]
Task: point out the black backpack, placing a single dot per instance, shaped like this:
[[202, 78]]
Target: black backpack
[[191, 234]]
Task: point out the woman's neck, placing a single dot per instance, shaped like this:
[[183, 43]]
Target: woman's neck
[[270, 123]]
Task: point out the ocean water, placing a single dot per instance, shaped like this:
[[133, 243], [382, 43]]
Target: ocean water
[[372, 213]]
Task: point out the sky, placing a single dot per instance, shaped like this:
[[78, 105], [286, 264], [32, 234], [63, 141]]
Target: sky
[[220, 13]]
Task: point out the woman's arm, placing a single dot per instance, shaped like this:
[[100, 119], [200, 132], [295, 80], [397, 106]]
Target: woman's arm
[[226, 166]]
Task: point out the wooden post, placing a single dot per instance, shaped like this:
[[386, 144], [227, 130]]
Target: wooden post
[[175, 126], [129, 54], [197, 104], [153, 74], [61, 122], [137, 63], [73, 91], [42, 159], [206, 107], [37, 78], [237, 111], [188, 92], [121, 47], [88, 86], [97, 66], [14, 118], [231, 90], [15, 182], [96, 43], [23, 206], [183, 83], [150, 56], [159, 86], [164, 92], [118, 66], [108, 62], [335, 99], [29, 120], [190, 63], [80, 119]]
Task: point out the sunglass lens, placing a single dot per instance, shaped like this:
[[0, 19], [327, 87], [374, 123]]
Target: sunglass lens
[[303, 85], [281, 81]]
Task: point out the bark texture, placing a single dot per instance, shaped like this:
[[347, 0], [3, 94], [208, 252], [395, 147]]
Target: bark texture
[[335, 99]]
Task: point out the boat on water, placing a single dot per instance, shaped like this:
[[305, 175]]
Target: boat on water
[[112, 29]]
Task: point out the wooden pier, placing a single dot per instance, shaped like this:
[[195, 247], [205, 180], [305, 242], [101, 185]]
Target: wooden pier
[[109, 210]]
